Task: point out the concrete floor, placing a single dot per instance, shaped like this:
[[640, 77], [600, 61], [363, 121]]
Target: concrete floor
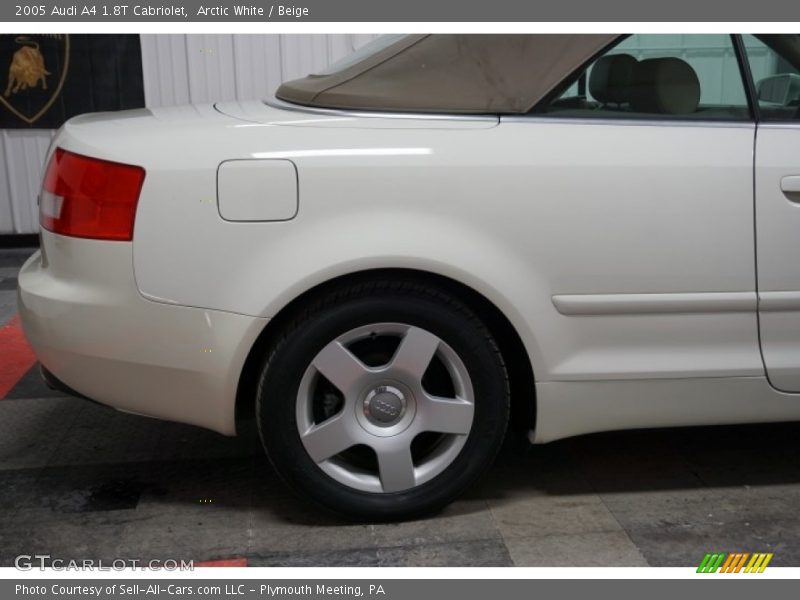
[[78, 480]]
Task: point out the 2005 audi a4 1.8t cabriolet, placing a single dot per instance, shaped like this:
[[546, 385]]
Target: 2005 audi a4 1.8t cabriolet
[[393, 260]]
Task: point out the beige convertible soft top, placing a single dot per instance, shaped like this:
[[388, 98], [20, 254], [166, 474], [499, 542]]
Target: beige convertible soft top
[[451, 73]]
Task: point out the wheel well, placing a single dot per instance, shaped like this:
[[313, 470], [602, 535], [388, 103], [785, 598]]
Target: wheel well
[[521, 379]]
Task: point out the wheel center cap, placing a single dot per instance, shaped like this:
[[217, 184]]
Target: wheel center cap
[[384, 405]]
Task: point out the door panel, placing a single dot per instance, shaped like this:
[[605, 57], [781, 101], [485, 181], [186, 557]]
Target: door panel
[[778, 238], [774, 62]]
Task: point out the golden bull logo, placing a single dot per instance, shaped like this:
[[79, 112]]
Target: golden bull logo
[[735, 562], [27, 68], [35, 67]]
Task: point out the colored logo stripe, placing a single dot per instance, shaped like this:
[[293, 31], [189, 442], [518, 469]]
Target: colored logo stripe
[[734, 562], [16, 356], [758, 563], [711, 563]]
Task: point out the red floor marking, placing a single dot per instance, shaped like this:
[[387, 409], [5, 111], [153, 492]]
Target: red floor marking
[[16, 356], [223, 562]]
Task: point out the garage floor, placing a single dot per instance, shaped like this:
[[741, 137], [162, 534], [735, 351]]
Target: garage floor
[[78, 480]]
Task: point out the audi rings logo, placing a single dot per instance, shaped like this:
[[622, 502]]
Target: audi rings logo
[[384, 404], [390, 408]]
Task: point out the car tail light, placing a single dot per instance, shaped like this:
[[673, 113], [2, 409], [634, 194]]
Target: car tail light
[[89, 198]]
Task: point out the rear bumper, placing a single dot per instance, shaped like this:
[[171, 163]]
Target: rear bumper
[[90, 327]]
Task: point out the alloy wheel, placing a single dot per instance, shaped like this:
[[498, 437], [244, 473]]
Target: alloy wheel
[[385, 407]]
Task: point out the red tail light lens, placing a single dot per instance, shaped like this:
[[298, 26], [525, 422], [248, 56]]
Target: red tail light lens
[[90, 198]]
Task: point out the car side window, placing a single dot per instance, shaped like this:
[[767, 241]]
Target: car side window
[[657, 76], [776, 78]]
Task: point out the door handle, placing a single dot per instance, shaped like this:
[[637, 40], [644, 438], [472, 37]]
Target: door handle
[[791, 185]]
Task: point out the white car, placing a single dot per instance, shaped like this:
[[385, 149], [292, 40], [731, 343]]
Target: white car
[[393, 259]]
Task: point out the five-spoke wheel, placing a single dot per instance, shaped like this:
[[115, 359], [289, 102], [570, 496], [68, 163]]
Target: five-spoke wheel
[[383, 400], [385, 407]]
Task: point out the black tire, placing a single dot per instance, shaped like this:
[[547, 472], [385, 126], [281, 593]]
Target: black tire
[[342, 309]]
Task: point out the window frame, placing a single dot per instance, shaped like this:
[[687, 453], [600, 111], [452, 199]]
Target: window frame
[[752, 92], [539, 109]]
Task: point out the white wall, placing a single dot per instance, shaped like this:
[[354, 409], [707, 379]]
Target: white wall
[[21, 156], [177, 69]]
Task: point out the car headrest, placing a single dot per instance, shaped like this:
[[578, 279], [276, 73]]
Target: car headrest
[[610, 80], [666, 86]]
